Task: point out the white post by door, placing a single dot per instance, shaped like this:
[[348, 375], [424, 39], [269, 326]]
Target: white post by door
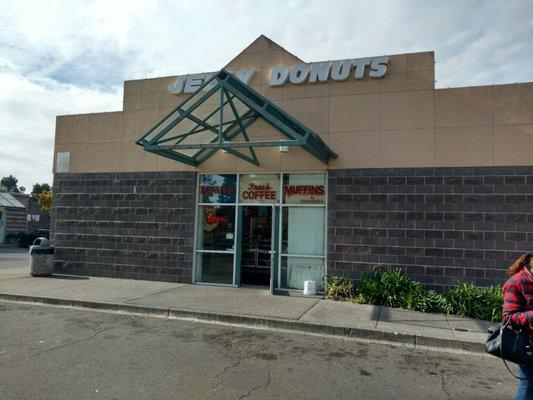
[[274, 245]]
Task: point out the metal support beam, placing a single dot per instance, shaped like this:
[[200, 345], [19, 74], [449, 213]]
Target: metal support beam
[[280, 126], [175, 156], [244, 134], [184, 115], [261, 110], [221, 115], [229, 138], [257, 105], [182, 136], [230, 145]]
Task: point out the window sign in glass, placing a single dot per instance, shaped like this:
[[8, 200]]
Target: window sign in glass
[[303, 230], [218, 188], [260, 188], [296, 270], [216, 228], [304, 189]]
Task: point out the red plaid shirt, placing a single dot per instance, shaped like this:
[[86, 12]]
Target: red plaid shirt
[[518, 300]]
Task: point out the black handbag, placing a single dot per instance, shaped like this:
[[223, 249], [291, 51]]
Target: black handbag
[[510, 345]]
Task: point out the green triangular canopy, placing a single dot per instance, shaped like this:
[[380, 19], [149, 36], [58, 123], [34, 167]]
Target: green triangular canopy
[[216, 117]]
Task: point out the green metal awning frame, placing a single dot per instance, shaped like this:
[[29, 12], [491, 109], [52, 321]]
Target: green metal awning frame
[[161, 139]]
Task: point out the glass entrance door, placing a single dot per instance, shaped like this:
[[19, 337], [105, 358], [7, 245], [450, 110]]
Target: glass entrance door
[[256, 239], [261, 229], [257, 255]]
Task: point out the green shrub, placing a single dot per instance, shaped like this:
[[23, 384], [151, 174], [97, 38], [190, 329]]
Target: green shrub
[[370, 289], [340, 288], [385, 288], [420, 299], [395, 289], [466, 300], [493, 302]]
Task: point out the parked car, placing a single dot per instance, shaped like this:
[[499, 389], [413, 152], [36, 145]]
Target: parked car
[[27, 240]]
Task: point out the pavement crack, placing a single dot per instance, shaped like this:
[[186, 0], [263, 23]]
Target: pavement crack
[[263, 385], [226, 369], [69, 343], [309, 309], [443, 385], [62, 345], [154, 293], [268, 379]]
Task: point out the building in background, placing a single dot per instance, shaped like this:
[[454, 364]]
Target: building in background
[[275, 171], [12, 217], [36, 218], [20, 214]]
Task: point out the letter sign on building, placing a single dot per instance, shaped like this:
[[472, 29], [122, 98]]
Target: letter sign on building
[[338, 70], [260, 188], [279, 76], [191, 83], [304, 194], [218, 188]]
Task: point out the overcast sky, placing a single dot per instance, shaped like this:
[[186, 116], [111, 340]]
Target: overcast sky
[[68, 57]]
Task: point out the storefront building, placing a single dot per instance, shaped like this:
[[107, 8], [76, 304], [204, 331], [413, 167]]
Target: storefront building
[[273, 171], [12, 215]]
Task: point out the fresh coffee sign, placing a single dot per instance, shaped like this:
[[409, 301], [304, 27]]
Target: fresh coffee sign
[[259, 188]]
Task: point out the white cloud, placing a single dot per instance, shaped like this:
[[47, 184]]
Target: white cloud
[[64, 57], [27, 113]]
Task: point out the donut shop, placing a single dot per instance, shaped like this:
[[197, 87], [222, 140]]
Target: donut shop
[[272, 171]]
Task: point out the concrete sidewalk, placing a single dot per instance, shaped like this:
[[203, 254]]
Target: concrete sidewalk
[[248, 306]]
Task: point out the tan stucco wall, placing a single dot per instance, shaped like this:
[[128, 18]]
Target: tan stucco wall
[[399, 120]]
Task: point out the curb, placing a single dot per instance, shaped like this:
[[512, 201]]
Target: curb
[[260, 322]]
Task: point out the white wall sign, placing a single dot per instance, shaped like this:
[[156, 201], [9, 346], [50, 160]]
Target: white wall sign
[[63, 161], [191, 83], [339, 70]]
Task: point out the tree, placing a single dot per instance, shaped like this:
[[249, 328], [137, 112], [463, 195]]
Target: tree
[[45, 201], [38, 188], [10, 183]]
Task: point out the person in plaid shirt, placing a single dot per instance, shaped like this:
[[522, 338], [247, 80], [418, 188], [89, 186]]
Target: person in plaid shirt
[[518, 308]]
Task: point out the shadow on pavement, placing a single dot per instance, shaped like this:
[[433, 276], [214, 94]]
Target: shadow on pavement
[[68, 277]]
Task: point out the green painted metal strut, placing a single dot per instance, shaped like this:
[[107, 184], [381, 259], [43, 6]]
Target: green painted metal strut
[[166, 140]]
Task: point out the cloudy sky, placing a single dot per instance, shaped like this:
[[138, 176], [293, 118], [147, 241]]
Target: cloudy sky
[[68, 57]]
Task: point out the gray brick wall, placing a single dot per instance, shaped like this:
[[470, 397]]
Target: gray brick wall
[[125, 225], [443, 225]]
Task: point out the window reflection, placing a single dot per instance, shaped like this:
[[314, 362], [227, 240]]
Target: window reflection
[[216, 228]]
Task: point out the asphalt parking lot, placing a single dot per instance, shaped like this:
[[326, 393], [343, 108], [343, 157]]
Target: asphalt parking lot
[[13, 261], [57, 353]]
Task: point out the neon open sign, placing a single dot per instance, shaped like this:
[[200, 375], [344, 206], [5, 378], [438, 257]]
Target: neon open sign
[[216, 219]]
